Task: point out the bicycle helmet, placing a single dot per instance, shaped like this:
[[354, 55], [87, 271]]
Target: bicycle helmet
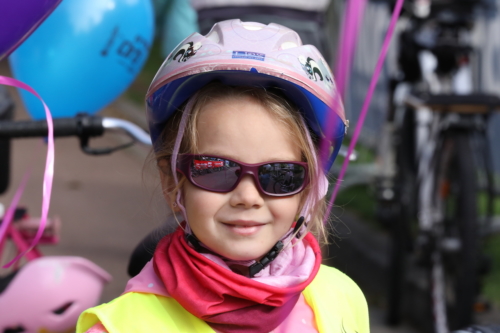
[[49, 293], [250, 54]]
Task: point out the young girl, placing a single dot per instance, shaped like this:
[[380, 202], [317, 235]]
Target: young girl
[[236, 118]]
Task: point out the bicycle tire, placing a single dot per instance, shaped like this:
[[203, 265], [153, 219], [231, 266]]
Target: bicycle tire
[[403, 216], [456, 190]]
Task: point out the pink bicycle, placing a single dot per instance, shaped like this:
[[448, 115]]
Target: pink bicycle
[[64, 285], [48, 293]]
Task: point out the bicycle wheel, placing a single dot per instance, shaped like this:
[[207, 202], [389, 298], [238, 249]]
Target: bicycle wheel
[[401, 217], [453, 274]]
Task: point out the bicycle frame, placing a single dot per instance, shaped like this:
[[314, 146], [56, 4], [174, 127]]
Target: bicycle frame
[[22, 231]]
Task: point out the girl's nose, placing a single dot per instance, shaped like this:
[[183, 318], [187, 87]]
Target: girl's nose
[[246, 194]]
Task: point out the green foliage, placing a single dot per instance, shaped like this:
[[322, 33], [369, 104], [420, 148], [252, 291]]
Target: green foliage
[[358, 200], [482, 204], [364, 154], [492, 280]]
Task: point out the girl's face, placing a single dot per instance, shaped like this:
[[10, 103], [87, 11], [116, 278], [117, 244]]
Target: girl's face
[[243, 224]]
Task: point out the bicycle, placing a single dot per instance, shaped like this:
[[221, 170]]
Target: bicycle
[[65, 285], [436, 161]]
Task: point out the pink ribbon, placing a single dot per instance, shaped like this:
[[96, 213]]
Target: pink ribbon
[[348, 37], [9, 214], [369, 94], [47, 178]]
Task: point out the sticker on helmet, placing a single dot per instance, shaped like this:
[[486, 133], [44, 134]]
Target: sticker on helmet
[[248, 55], [186, 51], [311, 68], [327, 73]]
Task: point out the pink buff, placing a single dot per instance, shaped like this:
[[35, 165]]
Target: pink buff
[[97, 328], [288, 270], [300, 320], [293, 266], [146, 282]]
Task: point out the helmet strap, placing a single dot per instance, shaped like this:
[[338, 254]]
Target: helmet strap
[[265, 260], [178, 140], [298, 226], [258, 265]]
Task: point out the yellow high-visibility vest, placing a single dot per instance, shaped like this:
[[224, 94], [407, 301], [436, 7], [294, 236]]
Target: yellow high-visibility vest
[[337, 302]]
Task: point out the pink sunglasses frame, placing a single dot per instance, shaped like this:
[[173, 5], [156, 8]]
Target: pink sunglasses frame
[[184, 163]]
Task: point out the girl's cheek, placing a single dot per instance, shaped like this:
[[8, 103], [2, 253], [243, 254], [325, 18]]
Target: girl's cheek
[[287, 208]]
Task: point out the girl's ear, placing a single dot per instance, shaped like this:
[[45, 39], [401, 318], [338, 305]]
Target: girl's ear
[[167, 184]]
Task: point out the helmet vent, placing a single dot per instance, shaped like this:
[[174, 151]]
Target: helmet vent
[[252, 27], [17, 329], [214, 36], [288, 45], [62, 309]]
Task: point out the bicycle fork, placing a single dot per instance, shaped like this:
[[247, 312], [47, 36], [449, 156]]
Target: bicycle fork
[[427, 141]]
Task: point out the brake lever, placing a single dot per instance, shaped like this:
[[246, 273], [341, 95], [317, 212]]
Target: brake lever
[[84, 145]]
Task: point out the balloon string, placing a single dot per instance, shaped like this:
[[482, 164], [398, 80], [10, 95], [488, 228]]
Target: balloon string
[[349, 32], [366, 104], [348, 38], [9, 214], [49, 168]]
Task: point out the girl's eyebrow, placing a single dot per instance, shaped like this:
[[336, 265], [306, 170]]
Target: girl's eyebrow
[[233, 157], [218, 154]]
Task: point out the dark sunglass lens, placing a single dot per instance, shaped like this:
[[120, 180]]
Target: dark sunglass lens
[[214, 174], [281, 178]]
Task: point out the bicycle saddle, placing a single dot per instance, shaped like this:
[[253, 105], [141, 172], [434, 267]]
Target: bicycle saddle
[[49, 293]]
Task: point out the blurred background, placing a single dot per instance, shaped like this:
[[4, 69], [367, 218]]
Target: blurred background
[[108, 204]]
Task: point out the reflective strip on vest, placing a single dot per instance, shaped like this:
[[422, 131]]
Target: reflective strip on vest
[[337, 302]]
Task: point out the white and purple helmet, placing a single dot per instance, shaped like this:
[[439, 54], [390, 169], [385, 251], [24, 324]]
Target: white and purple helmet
[[250, 54]]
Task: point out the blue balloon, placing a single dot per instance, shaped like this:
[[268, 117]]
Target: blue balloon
[[84, 55]]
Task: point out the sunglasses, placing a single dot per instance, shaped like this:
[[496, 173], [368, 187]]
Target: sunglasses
[[219, 174]]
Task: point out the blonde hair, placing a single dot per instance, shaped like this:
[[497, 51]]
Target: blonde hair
[[279, 107]]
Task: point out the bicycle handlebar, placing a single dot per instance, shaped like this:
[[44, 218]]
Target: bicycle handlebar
[[131, 129], [83, 126]]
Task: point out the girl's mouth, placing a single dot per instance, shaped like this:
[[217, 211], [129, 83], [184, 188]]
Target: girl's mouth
[[244, 229]]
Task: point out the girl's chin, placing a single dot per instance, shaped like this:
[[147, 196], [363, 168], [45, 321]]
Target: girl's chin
[[243, 255]]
